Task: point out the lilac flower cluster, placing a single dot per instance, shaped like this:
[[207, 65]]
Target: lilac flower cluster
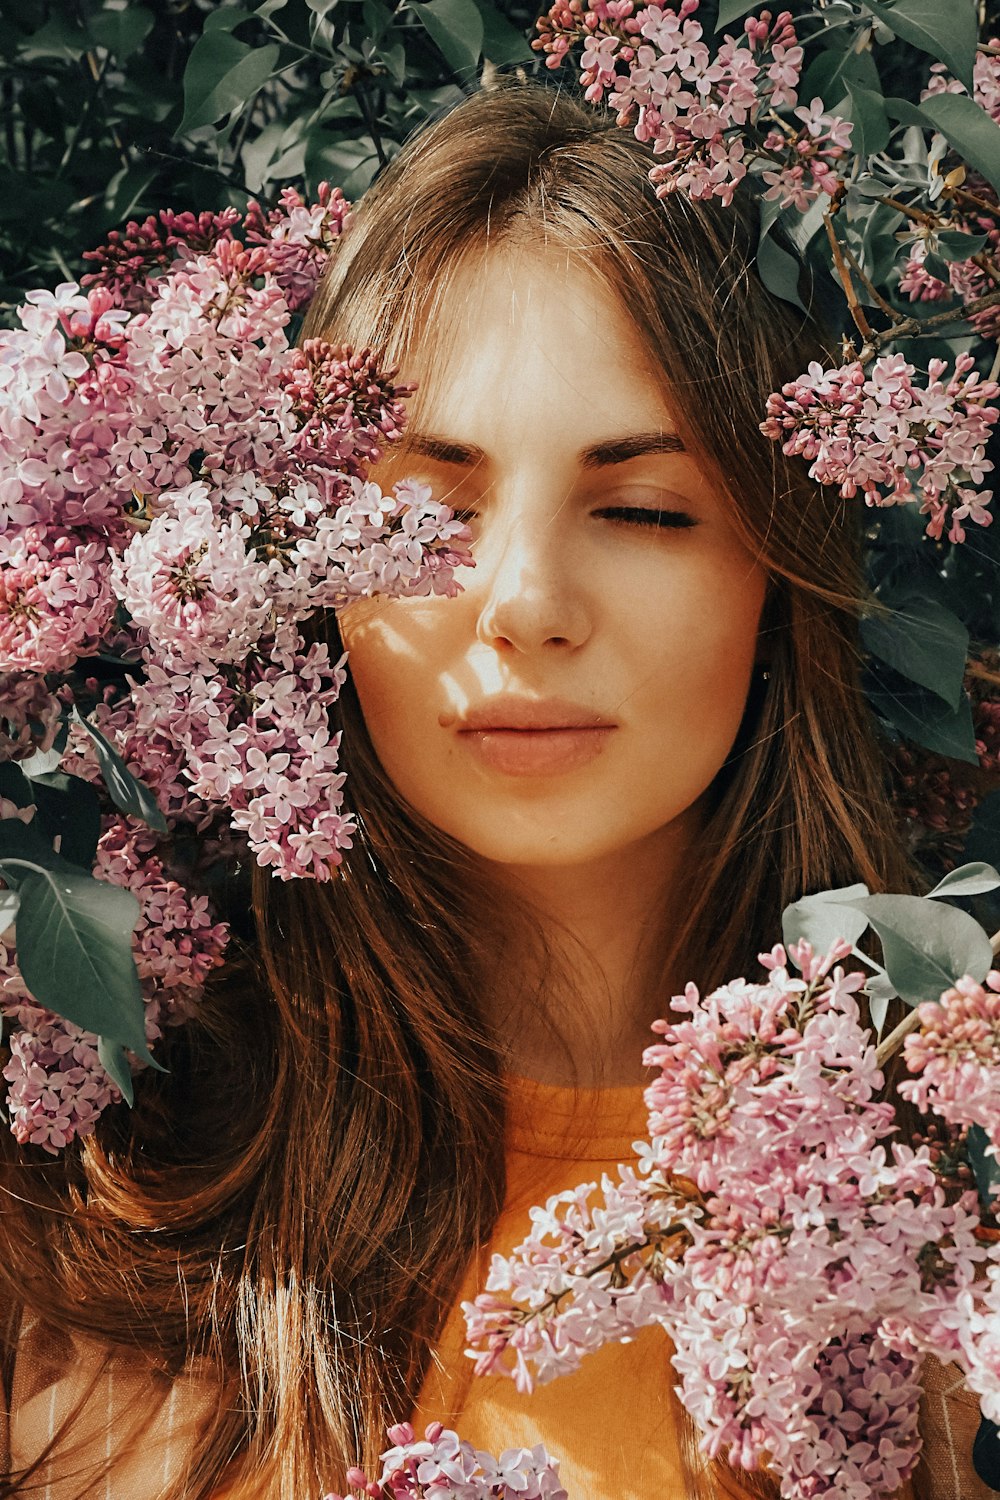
[[801, 1262], [956, 1056], [441, 1466], [706, 114], [975, 212], [883, 433], [181, 489]]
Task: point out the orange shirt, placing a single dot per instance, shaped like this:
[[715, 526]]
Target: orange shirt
[[614, 1424]]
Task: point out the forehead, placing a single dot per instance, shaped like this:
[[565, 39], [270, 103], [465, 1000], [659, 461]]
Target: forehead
[[534, 332]]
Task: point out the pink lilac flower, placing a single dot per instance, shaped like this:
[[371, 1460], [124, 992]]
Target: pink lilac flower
[[442, 1465], [893, 437], [30, 715], [956, 1053], [800, 1260]]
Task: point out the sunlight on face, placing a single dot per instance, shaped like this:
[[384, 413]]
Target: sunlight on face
[[582, 692]]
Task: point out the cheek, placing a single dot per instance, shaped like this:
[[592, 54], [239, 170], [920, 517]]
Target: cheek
[[393, 660]]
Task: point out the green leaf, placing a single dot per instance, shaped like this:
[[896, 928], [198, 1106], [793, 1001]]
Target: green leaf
[[924, 642], [733, 10], [823, 917], [62, 37], [968, 880], [906, 113], [127, 792], [69, 809], [866, 108], [503, 43], [115, 1064], [222, 75], [779, 270], [926, 946], [122, 32], [830, 72], [74, 950], [377, 19], [985, 1169], [14, 785], [226, 18], [953, 245], [23, 843], [928, 721], [456, 29], [969, 129], [948, 31]]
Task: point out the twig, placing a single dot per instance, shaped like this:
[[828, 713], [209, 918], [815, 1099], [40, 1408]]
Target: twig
[[869, 286], [892, 1043], [843, 271]]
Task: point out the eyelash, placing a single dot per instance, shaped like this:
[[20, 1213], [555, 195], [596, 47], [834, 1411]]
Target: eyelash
[[629, 515], [625, 515]]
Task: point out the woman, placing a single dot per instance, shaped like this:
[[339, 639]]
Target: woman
[[602, 769]]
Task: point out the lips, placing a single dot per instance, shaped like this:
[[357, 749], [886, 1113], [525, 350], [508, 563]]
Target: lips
[[510, 713], [534, 737]]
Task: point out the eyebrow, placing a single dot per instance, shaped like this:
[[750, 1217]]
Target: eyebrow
[[597, 456]]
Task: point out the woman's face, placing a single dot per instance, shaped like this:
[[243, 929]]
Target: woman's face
[[585, 687]]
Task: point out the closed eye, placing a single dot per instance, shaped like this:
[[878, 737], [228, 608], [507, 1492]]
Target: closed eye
[[637, 516]]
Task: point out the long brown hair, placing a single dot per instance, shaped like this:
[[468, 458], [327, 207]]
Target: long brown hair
[[291, 1208]]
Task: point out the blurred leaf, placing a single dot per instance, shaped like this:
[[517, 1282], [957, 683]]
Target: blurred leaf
[[69, 809], [823, 917], [222, 75], [983, 841], [456, 29], [867, 110], [985, 1169], [924, 642], [948, 32], [969, 129], [61, 37], [924, 718], [377, 17], [127, 792], [503, 44], [925, 946], [225, 18], [14, 785], [969, 880], [732, 10], [121, 31]]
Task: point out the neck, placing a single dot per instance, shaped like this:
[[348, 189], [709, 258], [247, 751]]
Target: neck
[[576, 1007]]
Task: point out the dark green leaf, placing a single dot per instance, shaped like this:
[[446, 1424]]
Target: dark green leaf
[[948, 32], [127, 792], [953, 245], [935, 266], [925, 719], [906, 113], [377, 17], [115, 1064], [926, 946], [222, 75], [969, 129], [226, 18], [733, 10], [74, 951], [832, 69], [456, 29], [14, 785], [61, 37], [23, 843], [984, 839], [985, 1169], [779, 270], [924, 642], [121, 31], [866, 109], [503, 43], [969, 880], [70, 809]]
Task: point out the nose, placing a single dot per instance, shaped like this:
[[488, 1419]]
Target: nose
[[530, 580]]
